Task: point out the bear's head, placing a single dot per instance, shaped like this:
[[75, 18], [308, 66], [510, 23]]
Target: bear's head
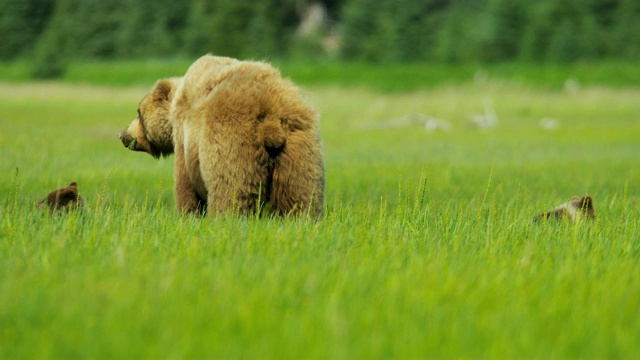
[[65, 198], [151, 130], [582, 207]]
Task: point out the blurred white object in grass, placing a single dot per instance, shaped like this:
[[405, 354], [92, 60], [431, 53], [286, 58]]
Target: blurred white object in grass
[[549, 124], [487, 120]]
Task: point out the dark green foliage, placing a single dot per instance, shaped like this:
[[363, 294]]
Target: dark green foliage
[[507, 21], [84, 29], [21, 23], [491, 30], [218, 26], [239, 28], [51, 49], [563, 31], [151, 28], [463, 33], [48, 62], [359, 26], [625, 35], [378, 31], [391, 30]]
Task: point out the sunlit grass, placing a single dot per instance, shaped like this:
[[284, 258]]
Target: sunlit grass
[[427, 248]]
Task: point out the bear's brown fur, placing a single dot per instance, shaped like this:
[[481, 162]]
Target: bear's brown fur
[[243, 137], [575, 210], [62, 199]]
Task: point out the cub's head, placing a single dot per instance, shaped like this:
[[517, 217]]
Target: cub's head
[[151, 130], [583, 207]]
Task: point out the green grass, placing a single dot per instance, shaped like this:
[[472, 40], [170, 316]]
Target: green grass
[[385, 77], [427, 249]]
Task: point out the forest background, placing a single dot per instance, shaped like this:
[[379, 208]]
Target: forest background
[[52, 33]]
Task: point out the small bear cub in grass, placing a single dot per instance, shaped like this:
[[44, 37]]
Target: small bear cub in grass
[[575, 210], [65, 199]]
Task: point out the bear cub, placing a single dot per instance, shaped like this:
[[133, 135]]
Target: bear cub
[[576, 209], [65, 199]]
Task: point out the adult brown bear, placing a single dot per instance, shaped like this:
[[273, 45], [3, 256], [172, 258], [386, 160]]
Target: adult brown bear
[[244, 139]]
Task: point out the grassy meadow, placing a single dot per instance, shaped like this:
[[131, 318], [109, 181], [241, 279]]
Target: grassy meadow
[[427, 249]]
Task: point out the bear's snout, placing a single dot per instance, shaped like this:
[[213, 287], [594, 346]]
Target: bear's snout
[[125, 138]]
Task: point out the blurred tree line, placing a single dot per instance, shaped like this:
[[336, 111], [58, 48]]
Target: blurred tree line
[[53, 31], [490, 30]]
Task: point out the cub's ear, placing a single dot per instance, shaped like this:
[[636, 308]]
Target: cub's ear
[[162, 90]]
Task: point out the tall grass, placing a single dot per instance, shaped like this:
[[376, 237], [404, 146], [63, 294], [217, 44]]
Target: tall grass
[[427, 248]]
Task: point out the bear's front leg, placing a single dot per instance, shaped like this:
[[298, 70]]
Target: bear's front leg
[[187, 198]]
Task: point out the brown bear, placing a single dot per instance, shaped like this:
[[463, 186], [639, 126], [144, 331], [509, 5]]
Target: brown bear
[[575, 210], [243, 136], [65, 198]]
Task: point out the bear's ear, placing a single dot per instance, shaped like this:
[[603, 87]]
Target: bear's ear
[[162, 90]]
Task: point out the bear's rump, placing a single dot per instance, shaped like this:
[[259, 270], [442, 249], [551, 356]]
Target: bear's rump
[[237, 131], [226, 168]]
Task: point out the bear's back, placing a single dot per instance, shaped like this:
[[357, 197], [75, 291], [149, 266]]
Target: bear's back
[[235, 89], [200, 77]]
